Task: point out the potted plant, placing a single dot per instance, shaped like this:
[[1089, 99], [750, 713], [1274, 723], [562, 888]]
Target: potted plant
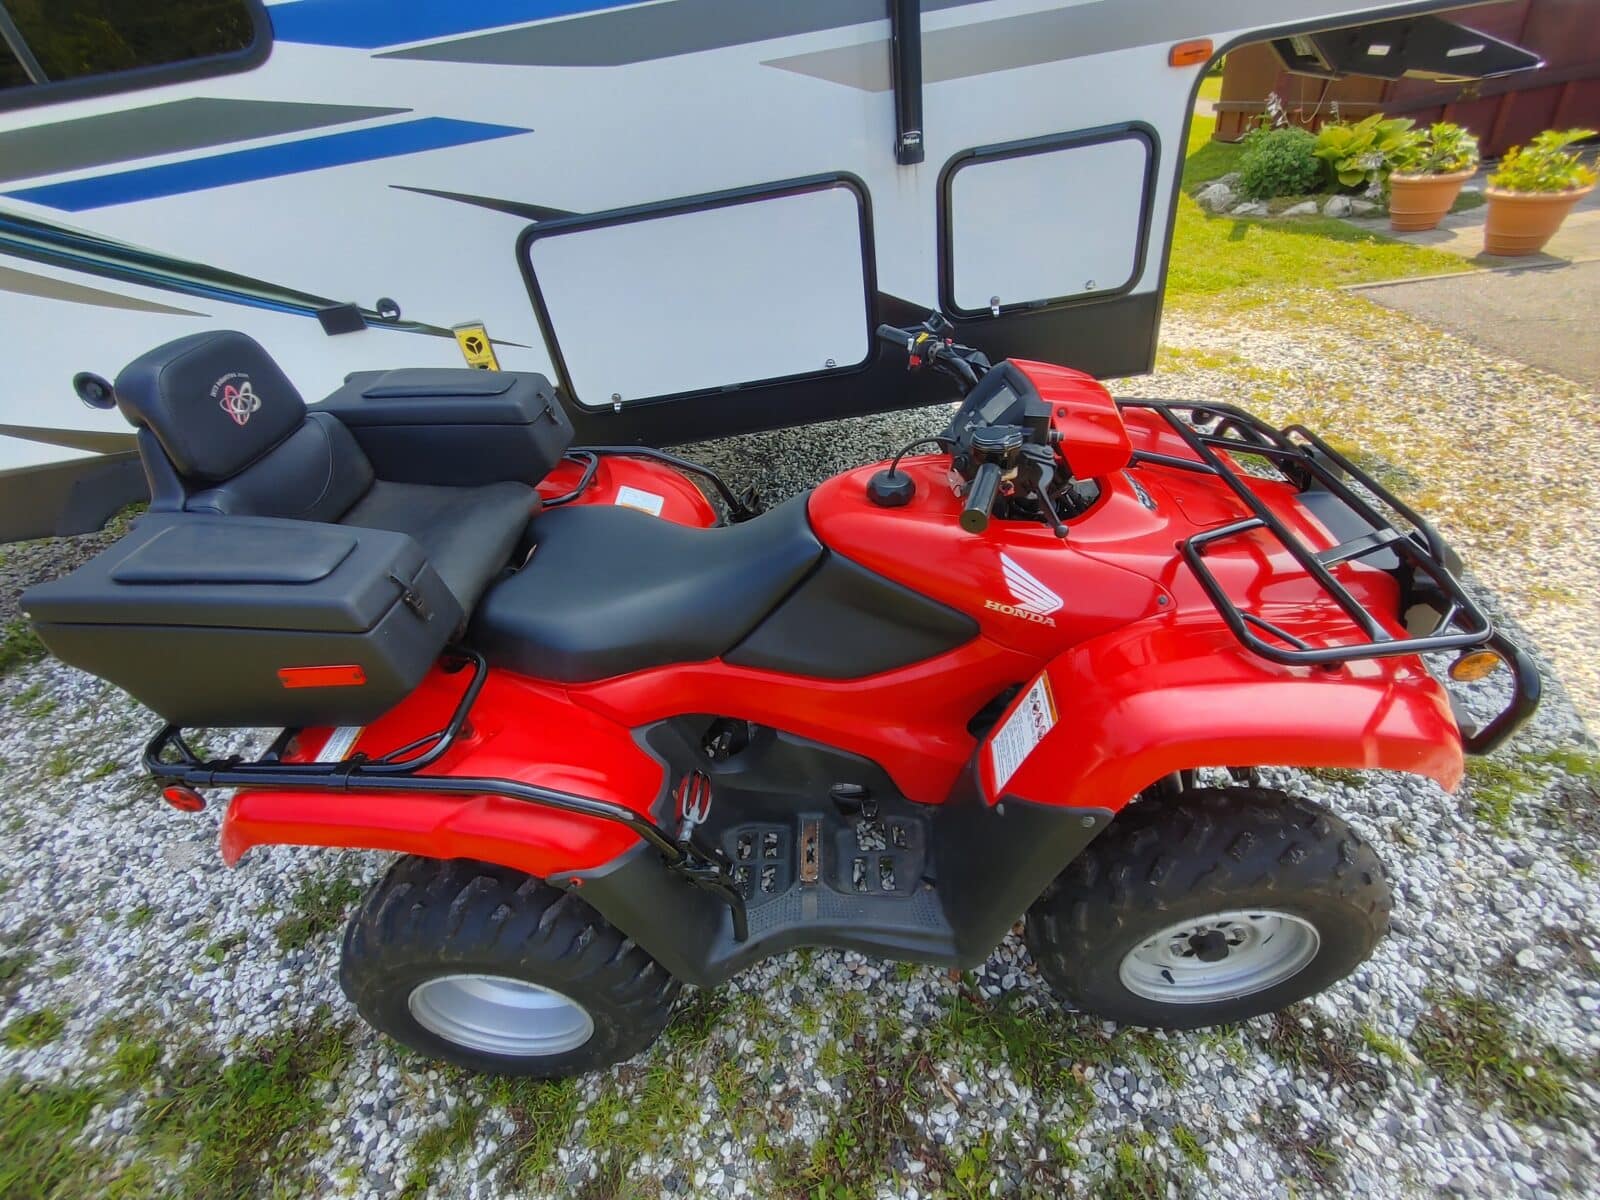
[[1534, 190], [1428, 175], [1363, 154]]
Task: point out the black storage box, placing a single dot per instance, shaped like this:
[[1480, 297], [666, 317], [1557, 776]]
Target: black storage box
[[455, 427], [213, 621]]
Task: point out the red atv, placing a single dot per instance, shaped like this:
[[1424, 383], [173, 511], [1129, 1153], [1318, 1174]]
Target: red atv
[[625, 743]]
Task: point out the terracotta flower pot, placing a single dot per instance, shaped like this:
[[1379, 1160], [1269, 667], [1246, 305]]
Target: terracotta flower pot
[[1419, 201], [1522, 222]]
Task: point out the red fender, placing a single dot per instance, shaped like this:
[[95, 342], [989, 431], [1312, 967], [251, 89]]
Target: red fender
[[1139, 704], [519, 729]]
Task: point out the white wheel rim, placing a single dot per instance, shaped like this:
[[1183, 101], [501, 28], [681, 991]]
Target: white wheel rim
[[1220, 956], [498, 1015]]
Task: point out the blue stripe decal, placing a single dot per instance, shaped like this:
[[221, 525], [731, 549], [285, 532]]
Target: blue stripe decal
[[264, 162], [369, 24]]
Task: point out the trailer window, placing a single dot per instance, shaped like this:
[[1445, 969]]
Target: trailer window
[[1051, 221], [69, 47], [712, 293]]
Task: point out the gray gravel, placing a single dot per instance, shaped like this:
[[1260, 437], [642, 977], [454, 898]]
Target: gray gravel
[[133, 924]]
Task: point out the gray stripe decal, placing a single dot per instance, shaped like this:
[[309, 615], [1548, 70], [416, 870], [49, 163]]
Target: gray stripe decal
[[73, 439], [1078, 31], [651, 31], [162, 129], [25, 283]]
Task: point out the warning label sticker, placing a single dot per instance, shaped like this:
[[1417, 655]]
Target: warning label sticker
[[632, 497], [475, 345], [1022, 731], [339, 744]]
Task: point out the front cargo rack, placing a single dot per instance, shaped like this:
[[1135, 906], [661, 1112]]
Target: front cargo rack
[[1308, 462], [171, 759]]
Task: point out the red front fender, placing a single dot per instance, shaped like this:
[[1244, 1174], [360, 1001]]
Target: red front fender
[[1139, 704]]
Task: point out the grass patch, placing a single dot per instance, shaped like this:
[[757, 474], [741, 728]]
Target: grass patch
[[1189, 1146], [1305, 1143], [1133, 1172], [19, 646], [243, 1127], [13, 966], [40, 1158], [542, 1114], [319, 906], [1300, 1039], [139, 917], [1472, 1044], [1495, 786], [439, 1144], [34, 1029], [1217, 257], [1046, 1050]]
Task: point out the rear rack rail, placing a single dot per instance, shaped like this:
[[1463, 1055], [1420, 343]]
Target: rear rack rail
[[169, 758], [1306, 461]]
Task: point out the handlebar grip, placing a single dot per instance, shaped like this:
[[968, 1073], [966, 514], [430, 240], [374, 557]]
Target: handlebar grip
[[980, 498], [895, 337]]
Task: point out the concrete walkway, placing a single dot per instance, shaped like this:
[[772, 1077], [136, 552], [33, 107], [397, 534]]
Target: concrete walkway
[[1540, 315]]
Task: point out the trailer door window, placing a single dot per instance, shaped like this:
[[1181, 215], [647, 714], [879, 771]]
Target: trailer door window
[[1045, 222], [707, 294], [68, 47]]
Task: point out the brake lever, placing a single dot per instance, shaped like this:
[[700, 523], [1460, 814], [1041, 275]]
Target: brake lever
[[1037, 473]]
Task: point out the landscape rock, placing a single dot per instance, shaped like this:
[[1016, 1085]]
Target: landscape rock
[[1250, 208], [1215, 197], [1338, 206], [1306, 208]]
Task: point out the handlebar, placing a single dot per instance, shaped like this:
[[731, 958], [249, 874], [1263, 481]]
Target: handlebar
[[981, 495], [895, 337]]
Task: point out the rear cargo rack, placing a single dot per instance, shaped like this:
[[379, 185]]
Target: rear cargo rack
[[170, 758], [1308, 462]]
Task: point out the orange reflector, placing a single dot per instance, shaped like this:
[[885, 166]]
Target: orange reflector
[[1187, 54], [346, 675], [1479, 664], [184, 799]]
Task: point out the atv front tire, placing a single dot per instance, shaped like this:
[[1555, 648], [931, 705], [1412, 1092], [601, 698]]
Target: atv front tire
[[498, 972], [1210, 907]]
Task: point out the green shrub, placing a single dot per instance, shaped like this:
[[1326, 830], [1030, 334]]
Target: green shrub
[[1441, 149], [1545, 164], [1362, 155], [1279, 162]]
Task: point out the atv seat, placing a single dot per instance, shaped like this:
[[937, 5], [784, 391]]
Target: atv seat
[[223, 431], [610, 590]]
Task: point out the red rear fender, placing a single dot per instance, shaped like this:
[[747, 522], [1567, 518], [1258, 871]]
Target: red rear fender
[[519, 730], [1137, 705]]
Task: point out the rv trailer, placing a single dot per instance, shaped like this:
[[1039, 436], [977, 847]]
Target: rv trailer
[[689, 214]]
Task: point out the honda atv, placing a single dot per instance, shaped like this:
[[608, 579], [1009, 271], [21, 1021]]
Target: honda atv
[[626, 738]]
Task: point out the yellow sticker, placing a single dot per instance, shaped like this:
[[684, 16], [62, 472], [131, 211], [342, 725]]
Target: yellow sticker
[[475, 345]]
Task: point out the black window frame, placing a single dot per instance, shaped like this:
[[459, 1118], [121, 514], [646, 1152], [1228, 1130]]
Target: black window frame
[[33, 95], [704, 202], [1136, 131]]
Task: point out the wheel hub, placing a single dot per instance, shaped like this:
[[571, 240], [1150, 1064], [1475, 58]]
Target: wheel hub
[[1220, 956], [495, 1014]]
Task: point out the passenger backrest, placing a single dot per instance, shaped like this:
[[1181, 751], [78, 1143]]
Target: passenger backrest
[[236, 433]]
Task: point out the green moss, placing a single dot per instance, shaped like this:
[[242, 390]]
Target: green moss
[[34, 1029], [318, 907], [237, 1128], [13, 966], [1494, 786], [139, 917], [1473, 1045]]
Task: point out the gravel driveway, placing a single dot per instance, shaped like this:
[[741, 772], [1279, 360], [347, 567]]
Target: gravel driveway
[[173, 1027]]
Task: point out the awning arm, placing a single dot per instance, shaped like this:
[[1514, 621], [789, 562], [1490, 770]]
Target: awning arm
[[905, 45]]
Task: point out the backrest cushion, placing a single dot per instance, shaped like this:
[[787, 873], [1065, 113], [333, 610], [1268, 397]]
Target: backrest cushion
[[315, 474], [215, 401]]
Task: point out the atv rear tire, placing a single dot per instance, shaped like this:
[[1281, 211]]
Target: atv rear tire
[[498, 972], [1214, 906]]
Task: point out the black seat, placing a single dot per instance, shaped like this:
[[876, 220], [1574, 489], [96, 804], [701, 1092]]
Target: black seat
[[222, 430], [610, 590]]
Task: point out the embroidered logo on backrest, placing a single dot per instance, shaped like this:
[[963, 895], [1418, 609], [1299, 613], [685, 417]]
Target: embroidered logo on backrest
[[237, 396]]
